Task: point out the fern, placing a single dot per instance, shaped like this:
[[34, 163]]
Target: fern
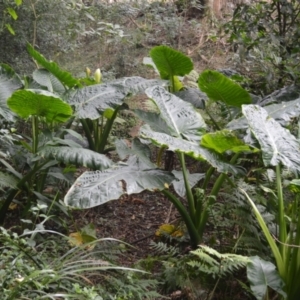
[[210, 261], [162, 248]]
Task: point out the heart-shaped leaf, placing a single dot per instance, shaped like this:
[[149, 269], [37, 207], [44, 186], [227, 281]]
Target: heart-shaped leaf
[[95, 188], [180, 116], [220, 88], [224, 140], [40, 103], [278, 145], [170, 62], [262, 275]]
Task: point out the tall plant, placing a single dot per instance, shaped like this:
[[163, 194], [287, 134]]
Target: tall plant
[[178, 127], [279, 148]]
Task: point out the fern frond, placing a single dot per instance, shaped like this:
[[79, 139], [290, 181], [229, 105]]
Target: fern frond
[[217, 264], [162, 248]]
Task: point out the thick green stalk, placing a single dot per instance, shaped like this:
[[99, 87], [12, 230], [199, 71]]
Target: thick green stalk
[[281, 220], [107, 129], [188, 189], [207, 177], [88, 134], [35, 134], [195, 238], [13, 192], [219, 182]]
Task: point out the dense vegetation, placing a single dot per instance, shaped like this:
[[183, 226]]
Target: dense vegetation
[[222, 146]]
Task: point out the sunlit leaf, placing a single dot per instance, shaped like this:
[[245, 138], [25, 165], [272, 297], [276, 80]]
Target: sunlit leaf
[[218, 87], [170, 62], [65, 77], [224, 140], [40, 103]]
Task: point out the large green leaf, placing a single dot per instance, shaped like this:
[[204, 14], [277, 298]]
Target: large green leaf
[[278, 145], [95, 188], [283, 113], [9, 82], [154, 120], [76, 156], [179, 183], [39, 103], [220, 88], [193, 96], [170, 62], [262, 275], [180, 116], [44, 78], [64, 77], [136, 84], [224, 140], [92, 100], [189, 148], [140, 150]]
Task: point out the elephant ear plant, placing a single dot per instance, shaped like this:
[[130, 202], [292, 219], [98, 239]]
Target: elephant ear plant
[[279, 148], [96, 105], [45, 110], [178, 127]]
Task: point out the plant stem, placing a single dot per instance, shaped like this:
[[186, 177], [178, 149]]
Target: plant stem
[[207, 177], [281, 220], [188, 189], [88, 134], [107, 129], [195, 238], [35, 134]]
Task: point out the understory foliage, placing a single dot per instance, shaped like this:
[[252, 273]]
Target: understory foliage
[[40, 264], [234, 184]]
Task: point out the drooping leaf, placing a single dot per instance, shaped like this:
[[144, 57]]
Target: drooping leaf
[[294, 186], [189, 148], [136, 84], [64, 77], [262, 275], [286, 94], [154, 120], [12, 13], [44, 78], [180, 116], [8, 181], [95, 188], [92, 100], [193, 96], [278, 145], [9, 82], [39, 103], [76, 156], [283, 113], [179, 185], [140, 150], [10, 29], [170, 62], [220, 88], [224, 140]]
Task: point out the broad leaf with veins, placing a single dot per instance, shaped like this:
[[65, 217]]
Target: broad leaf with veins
[[180, 116], [278, 145], [95, 188]]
